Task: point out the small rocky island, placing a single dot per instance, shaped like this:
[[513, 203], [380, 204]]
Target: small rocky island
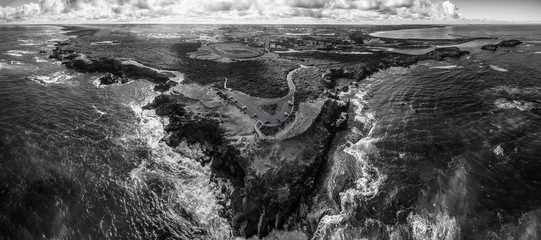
[[505, 43]]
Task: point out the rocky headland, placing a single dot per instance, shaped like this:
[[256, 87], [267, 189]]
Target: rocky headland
[[273, 181]]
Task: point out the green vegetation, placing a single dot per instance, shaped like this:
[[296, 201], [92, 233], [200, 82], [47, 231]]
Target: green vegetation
[[269, 108]]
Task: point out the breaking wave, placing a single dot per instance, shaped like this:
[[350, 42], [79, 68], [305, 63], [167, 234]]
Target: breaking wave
[[498, 150], [38, 60], [18, 53], [446, 67], [98, 111], [368, 178], [433, 226], [188, 181], [499, 69], [27, 42], [503, 103], [55, 78], [512, 90]]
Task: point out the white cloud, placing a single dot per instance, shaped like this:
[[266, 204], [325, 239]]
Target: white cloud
[[23, 12], [450, 9], [52, 7], [236, 10]]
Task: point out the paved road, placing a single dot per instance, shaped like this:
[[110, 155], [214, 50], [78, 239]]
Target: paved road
[[253, 103]]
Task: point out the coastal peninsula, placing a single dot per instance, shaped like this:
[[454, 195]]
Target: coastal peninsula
[[288, 96]]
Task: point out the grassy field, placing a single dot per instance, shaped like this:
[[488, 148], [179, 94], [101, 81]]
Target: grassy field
[[309, 83], [234, 50], [269, 108], [259, 78]]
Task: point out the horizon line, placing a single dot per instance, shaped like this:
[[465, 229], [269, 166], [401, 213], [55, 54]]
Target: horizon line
[[276, 23]]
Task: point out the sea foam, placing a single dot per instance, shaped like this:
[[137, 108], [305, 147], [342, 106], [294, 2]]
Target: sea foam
[[446, 67], [503, 103], [498, 150], [38, 60], [499, 69], [57, 77], [434, 226], [189, 182], [514, 90], [18, 53]]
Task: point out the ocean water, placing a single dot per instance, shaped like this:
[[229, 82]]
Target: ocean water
[[443, 150], [448, 150], [78, 161], [525, 32]]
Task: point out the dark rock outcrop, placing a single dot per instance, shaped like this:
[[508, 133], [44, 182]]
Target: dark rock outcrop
[[490, 47], [336, 73], [203, 132], [331, 75], [442, 53], [505, 43], [364, 70], [509, 43], [63, 43], [162, 87], [118, 70], [187, 126], [63, 54], [112, 79]]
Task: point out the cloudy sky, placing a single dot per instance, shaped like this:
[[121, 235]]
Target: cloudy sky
[[261, 11]]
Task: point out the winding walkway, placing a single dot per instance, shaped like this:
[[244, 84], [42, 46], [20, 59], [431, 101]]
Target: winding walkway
[[252, 104]]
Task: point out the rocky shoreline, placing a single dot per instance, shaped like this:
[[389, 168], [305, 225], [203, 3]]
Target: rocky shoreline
[[116, 70], [261, 201]]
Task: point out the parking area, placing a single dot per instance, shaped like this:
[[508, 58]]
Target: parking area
[[252, 107]]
